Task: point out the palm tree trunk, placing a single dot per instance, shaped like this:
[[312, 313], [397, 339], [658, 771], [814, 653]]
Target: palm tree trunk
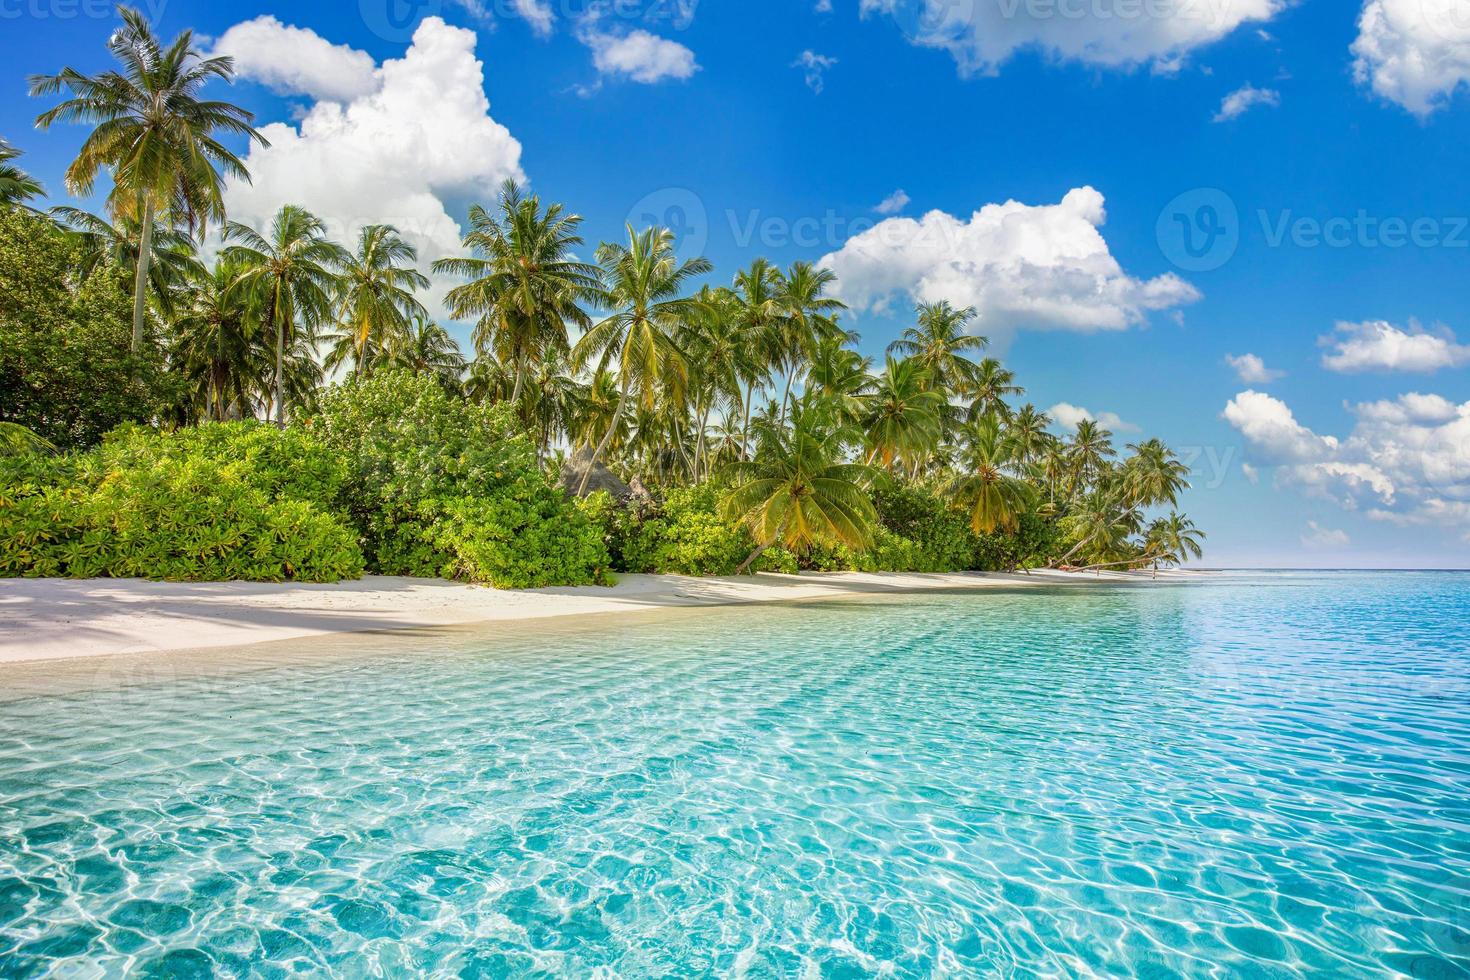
[[515, 394], [281, 372], [755, 555], [607, 438], [140, 278], [701, 454], [745, 434]]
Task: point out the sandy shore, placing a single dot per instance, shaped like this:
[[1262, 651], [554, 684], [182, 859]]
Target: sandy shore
[[51, 619]]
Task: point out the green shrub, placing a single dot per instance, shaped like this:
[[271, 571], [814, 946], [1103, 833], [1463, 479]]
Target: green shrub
[[925, 533], [439, 486], [1036, 541], [685, 536], [157, 505]]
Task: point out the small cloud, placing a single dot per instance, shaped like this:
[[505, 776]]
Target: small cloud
[[1244, 99], [812, 66], [1252, 475], [637, 55], [1317, 536], [823, 7], [1264, 34], [893, 203], [1377, 345], [1067, 416], [1252, 370]]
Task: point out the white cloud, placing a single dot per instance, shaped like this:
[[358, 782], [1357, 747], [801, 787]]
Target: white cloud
[[537, 13], [295, 61], [982, 35], [1407, 460], [1377, 345], [1317, 536], [1413, 52], [1020, 266], [1252, 475], [812, 66], [1252, 370], [823, 6], [1244, 99], [1067, 416], [391, 155], [893, 203], [639, 55]]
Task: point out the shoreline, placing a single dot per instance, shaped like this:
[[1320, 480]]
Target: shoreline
[[63, 619]]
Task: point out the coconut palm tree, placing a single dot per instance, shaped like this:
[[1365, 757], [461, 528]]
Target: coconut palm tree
[[904, 416], [805, 315], [16, 186], [17, 440], [1173, 540], [291, 277], [524, 285], [173, 265], [992, 495], [375, 299], [1088, 452], [722, 358], [1027, 428], [153, 133], [989, 388], [220, 346], [1154, 474], [644, 283], [842, 377], [487, 381], [425, 348], [798, 493], [758, 288], [939, 342]]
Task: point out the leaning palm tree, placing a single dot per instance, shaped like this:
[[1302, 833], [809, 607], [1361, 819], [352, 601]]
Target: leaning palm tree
[[994, 497], [798, 493], [644, 283], [16, 186], [939, 342], [1173, 540], [290, 277], [17, 440], [153, 133], [525, 287], [375, 292], [904, 416]]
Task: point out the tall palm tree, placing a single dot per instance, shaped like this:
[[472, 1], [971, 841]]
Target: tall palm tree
[[841, 376], [153, 133], [375, 292], [1088, 452], [1154, 474], [291, 277], [525, 287], [721, 358], [220, 346], [798, 492], [939, 342], [988, 390], [173, 265], [994, 497], [758, 289], [806, 315], [16, 186], [425, 348], [644, 283], [904, 414], [1028, 429]]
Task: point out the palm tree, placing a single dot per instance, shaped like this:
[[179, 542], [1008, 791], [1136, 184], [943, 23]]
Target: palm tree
[[797, 492], [1028, 429], [904, 415], [220, 346], [989, 388], [1154, 475], [487, 381], [994, 497], [424, 347], [1173, 540], [16, 186], [939, 342], [173, 265], [806, 315], [375, 299], [153, 133], [644, 283], [525, 287], [721, 358], [757, 288], [841, 376], [291, 277], [1088, 451], [17, 440]]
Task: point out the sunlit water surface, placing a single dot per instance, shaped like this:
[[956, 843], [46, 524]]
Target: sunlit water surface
[[1257, 776]]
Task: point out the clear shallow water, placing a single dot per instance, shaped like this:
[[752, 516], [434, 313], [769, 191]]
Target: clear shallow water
[[1265, 776]]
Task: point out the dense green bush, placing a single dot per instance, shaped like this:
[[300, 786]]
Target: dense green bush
[[685, 536], [1036, 541], [208, 504], [927, 533], [440, 486], [65, 368]]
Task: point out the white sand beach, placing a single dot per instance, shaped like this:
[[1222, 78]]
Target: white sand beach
[[52, 619]]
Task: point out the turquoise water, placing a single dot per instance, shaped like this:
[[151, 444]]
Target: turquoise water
[[1264, 776]]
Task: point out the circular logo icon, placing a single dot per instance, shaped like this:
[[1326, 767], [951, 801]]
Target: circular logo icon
[[1199, 230], [396, 20], [681, 211], [922, 20], [1450, 19]]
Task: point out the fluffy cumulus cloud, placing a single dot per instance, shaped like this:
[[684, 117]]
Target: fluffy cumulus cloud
[[296, 61], [1067, 416], [1376, 345], [422, 132], [1044, 266], [1244, 99], [983, 34], [1414, 52], [1251, 370], [638, 55], [1406, 460]]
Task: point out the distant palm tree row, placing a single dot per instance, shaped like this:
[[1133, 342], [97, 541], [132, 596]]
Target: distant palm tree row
[[628, 357]]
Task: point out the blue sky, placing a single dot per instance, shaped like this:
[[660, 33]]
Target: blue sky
[[1331, 188]]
